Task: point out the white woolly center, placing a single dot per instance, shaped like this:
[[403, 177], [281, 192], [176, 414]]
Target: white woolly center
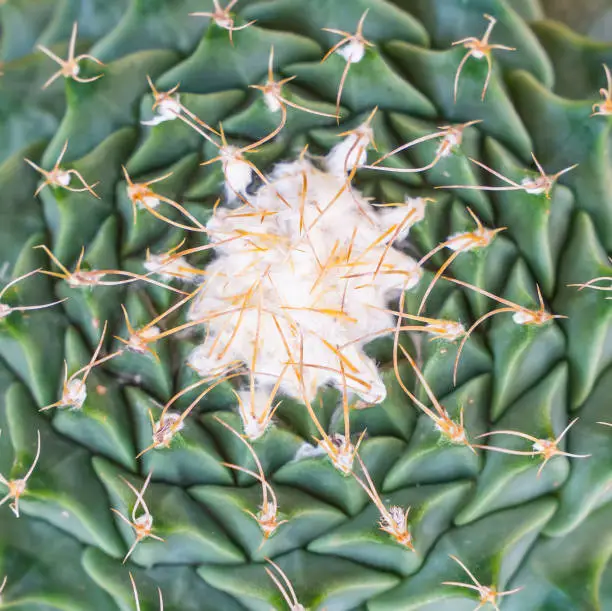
[[75, 393], [272, 102], [150, 201], [533, 187], [292, 288], [167, 110], [62, 178], [84, 278], [17, 487], [255, 410], [470, 240], [144, 522], [340, 452], [447, 329], [542, 445], [238, 173], [522, 317], [202, 363], [350, 152], [453, 431], [224, 22], [416, 205], [137, 342], [138, 194], [4, 310], [449, 142], [352, 52], [398, 515], [163, 432], [167, 267]]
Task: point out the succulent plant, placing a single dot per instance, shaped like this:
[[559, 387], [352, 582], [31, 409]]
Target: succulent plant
[[304, 307]]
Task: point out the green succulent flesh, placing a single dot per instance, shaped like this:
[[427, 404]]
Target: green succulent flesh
[[549, 534]]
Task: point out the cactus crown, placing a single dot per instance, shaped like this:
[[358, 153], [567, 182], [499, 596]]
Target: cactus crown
[[327, 285]]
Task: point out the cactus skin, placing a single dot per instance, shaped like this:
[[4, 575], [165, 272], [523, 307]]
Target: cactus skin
[[547, 534]]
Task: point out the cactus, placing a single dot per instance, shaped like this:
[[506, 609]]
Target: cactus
[[304, 306]]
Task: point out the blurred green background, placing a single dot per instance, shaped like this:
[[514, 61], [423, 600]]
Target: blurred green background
[[592, 17]]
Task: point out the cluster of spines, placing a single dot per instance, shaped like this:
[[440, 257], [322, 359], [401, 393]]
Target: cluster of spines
[[238, 172]]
